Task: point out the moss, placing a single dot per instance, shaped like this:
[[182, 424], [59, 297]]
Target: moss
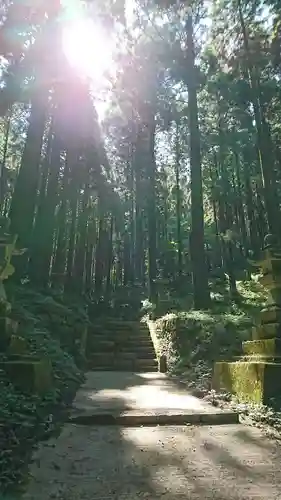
[[18, 345], [29, 375], [153, 334], [263, 347], [270, 315], [162, 364], [255, 382]]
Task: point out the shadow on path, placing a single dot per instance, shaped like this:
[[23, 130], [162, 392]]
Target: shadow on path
[[126, 391], [171, 463]]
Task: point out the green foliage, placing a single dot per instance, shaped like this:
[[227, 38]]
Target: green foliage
[[24, 418], [63, 318], [194, 340], [23, 421]]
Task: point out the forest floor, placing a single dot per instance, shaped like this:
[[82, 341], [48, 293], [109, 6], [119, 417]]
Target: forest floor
[[114, 462]]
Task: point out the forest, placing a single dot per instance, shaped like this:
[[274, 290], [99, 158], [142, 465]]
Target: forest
[[181, 177], [140, 164]]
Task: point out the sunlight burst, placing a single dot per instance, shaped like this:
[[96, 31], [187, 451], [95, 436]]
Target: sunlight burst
[[87, 48]]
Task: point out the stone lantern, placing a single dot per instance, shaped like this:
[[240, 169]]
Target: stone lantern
[[256, 376]]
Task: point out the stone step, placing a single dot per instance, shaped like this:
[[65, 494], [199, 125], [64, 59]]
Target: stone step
[[135, 355], [104, 357], [137, 369], [119, 328], [119, 335], [129, 344], [122, 346], [127, 325], [101, 345], [138, 353], [133, 365], [147, 362], [154, 418], [143, 338], [112, 322], [110, 342], [134, 344]]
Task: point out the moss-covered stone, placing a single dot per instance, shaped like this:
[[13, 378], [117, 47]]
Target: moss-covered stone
[[270, 280], [262, 347], [267, 331], [250, 381], [18, 345], [28, 374], [162, 363], [271, 315]]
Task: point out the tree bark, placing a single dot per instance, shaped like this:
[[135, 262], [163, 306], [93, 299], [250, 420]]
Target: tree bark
[[199, 267]]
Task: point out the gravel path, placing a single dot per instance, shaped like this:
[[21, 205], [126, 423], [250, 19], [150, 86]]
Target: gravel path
[[230, 462], [125, 391]]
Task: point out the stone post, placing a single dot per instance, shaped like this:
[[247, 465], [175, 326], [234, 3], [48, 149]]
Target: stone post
[[256, 377]]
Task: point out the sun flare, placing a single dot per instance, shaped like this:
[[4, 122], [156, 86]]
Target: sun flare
[[87, 48]]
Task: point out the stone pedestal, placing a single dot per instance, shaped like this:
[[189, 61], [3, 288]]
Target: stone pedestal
[[256, 376], [28, 373], [24, 371], [162, 364]]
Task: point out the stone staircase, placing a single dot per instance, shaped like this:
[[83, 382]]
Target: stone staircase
[[115, 345]]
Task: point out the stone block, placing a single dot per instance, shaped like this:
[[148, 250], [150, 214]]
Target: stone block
[[262, 347], [162, 363], [5, 333], [271, 315], [5, 308], [251, 381], [28, 374], [270, 281], [18, 345], [267, 331]]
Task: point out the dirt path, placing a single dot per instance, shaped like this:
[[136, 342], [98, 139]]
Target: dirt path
[[229, 462], [112, 463], [128, 392]]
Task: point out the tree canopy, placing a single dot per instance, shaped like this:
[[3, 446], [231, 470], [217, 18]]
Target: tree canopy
[[167, 170]]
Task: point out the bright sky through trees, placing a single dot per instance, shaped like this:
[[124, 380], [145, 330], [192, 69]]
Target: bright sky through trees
[[87, 47]]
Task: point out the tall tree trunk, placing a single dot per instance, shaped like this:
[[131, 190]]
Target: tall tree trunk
[[265, 156], [99, 253], [43, 236], [199, 267], [73, 227], [62, 223], [80, 255], [131, 224], [91, 240], [214, 182], [178, 200], [151, 211], [240, 207], [3, 162], [109, 257], [23, 204], [126, 258], [251, 215], [139, 216]]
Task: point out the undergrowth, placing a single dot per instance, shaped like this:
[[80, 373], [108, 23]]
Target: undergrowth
[[52, 329], [194, 340]]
